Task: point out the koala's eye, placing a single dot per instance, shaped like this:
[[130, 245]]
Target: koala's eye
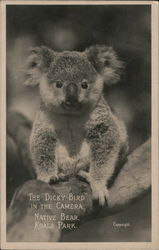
[[33, 64], [59, 84], [84, 84], [106, 63]]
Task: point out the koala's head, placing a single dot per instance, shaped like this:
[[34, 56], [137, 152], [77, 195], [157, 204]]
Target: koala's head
[[72, 82]]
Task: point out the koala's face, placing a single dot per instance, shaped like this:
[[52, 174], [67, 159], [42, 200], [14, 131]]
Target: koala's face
[[72, 82], [71, 85]]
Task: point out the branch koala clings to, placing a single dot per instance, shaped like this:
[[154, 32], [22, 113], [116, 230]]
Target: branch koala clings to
[[75, 132]]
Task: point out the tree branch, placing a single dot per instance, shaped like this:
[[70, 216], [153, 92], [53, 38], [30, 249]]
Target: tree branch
[[131, 184]]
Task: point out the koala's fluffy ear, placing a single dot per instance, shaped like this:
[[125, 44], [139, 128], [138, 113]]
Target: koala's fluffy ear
[[106, 63], [38, 62]]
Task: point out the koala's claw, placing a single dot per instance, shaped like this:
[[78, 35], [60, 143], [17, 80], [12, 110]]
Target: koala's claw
[[99, 191], [54, 179], [63, 177], [83, 176]]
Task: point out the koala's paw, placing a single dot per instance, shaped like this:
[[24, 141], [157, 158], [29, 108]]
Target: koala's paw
[[99, 191], [57, 178], [48, 178], [44, 178]]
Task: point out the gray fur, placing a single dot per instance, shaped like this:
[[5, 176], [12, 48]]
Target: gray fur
[[68, 141]]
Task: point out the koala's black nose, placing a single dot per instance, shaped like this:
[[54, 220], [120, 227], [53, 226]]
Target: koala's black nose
[[71, 95]]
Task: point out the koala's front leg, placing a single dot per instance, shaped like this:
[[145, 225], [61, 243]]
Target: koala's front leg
[[104, 153], [42, 147], [100, 173]]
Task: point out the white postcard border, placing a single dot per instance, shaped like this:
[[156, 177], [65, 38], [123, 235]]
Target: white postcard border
[[154, 245]]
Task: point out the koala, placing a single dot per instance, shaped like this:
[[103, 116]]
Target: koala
[[75, 132]]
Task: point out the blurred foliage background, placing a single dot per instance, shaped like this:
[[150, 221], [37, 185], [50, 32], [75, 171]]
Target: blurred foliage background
[[127, 28]]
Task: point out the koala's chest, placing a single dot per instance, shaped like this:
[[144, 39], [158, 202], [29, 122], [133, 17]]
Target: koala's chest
[[72, 151], [71, 164]]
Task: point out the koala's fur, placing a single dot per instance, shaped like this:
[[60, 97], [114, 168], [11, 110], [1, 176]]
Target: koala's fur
[[74, 131]]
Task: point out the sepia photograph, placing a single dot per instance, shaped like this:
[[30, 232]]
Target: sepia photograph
[[80, 143]]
